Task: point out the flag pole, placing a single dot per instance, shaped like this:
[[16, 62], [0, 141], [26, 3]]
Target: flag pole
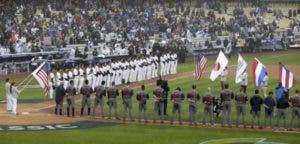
[[195, 79], [24, 80], [26, 85]]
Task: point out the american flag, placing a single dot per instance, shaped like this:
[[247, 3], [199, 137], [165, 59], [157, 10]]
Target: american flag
[[286, 77], [201, 61], [41, 75]]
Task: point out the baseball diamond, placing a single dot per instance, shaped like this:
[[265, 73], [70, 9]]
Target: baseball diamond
[[148, 71]]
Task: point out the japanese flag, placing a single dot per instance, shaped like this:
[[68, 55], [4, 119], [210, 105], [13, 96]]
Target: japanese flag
[[220, 65]]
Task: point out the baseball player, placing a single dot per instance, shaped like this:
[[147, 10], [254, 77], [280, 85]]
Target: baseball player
[[162, 65], [282, 105], [70, 93], [70, 76], [51, 84], [208, 112], [76, 77], [269, 104], [127, 94], [193, 97], [60, 93], [295, 103], [112, 93], [8, 95], [100, 93], [94, 76], [81, 78], [58, 78], [241, 99], [159, 94], [86, 92], [89, 75], [255, 103], [14, 95], [177, 97], [226, 97], [142, 96], [65, 79]]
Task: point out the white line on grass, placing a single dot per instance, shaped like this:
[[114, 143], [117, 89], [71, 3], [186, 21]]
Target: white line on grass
[[232, 140]]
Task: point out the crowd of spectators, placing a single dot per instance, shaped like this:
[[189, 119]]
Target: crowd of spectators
[[31, 25]]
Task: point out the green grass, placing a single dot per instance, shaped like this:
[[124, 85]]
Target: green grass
[[129, 134]]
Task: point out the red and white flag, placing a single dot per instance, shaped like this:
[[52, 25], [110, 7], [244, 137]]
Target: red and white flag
[[41, 75], [201, 61], [286, 77], [220, 65]]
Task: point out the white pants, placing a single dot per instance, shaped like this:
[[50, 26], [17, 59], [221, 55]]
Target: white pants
[[50, 90], [57, 82], [66, 84], [90, 79], [94, 83], [99, 80], [149, 72], [162, 69], [76, 80], [14, 105], [81, 82], [140, 74], [8, 103]]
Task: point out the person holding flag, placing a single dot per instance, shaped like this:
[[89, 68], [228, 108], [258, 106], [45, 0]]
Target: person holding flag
[[220, 66], [286, 81], [200, 61], [14, 95], [265, 84], [41, 74], [241, 74], [258, 72]]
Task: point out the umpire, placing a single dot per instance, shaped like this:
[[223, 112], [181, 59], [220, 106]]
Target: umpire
[[86, 92], [226, 97], [100, 93], [59, 98]]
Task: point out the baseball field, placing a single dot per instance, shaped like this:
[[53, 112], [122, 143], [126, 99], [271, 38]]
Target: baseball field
[[36, 123]]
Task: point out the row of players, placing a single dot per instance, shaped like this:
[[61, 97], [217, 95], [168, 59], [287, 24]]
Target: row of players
[[131, 69], [177, 97]]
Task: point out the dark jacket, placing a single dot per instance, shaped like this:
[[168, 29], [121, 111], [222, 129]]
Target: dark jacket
[[270, 103], [256, 101], [60, 93], [282, 103]]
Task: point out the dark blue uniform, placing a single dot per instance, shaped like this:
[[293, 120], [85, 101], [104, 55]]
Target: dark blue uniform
[[60, 93], [269, 103], [256, 101], [282, 104]]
